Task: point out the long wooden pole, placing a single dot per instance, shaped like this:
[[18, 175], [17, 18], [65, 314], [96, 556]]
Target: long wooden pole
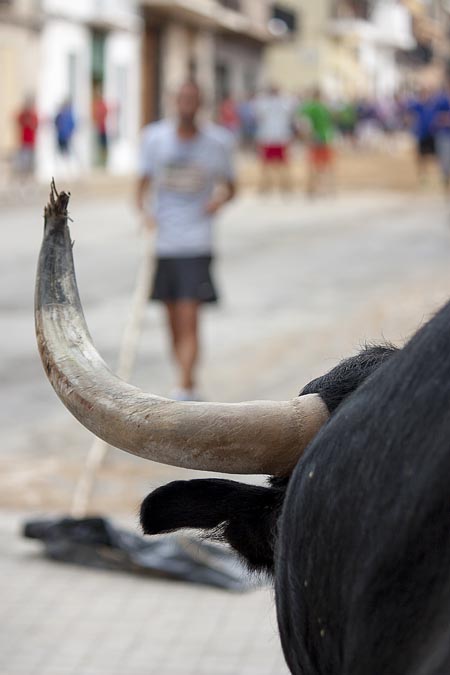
[[127, 357]]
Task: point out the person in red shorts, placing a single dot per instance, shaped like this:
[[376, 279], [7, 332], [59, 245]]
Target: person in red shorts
[[321, 151], [274, 116], [321, 155], [27, 123]]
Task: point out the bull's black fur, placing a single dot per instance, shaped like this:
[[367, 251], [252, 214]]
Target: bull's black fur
[[362, 548], [245, 515], [363, 558], [348, 375]]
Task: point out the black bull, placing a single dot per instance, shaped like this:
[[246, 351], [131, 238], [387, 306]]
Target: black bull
[[361, 551], [356, 537]]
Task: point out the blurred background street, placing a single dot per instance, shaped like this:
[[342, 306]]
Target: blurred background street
[[354, 248]]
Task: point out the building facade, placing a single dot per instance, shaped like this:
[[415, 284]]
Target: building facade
[[429, 62], [346, 47], [55, 51], [377, 32], [20, 29], [220, 43], [296, 61], [87, 46], [135, 53]]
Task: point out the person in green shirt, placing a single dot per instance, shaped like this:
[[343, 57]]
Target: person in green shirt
[[320, 135]]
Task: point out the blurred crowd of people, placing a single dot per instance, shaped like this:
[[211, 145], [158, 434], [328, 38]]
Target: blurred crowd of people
[[428, 114], [271, 121], [64, 125]]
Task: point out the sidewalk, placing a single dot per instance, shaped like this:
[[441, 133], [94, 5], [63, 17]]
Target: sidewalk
[[356, 169], [389, 167], [96, 184], [63, 620]]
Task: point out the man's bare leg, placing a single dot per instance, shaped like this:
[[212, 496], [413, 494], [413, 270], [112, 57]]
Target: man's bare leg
[[424, 165], [330, 178], [173, 328], [264, 177], [285, 175], [312, 180], [183, 325]]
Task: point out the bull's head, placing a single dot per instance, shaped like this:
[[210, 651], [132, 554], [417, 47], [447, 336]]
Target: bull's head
[[262, 437]]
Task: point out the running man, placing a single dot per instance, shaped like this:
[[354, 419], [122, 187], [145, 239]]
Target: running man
[[188, 167]]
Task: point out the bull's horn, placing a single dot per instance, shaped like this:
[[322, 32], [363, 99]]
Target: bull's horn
[[264, 437]]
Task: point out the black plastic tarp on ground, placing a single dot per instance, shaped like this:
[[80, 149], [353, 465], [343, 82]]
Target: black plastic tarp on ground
[[96, 542]]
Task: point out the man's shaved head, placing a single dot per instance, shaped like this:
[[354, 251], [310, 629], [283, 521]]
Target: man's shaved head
[[189, 100]]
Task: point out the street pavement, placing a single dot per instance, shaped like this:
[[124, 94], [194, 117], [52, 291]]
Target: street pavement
[[303, 284]]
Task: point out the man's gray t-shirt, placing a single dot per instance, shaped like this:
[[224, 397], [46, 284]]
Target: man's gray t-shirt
[[184, 174]]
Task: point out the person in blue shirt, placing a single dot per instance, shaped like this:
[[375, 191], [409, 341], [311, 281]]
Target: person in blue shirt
[[422, 114], [65, 127], [247, 116]]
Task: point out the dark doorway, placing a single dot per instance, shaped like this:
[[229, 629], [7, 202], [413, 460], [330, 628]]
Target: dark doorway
[[151, 79], [222, 81], [99, 106]]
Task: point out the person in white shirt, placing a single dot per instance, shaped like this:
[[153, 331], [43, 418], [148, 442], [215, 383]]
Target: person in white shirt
[[275, 131], [189, 170]]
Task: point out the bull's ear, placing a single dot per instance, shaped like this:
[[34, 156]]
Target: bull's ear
[[197, 504], [244, 516]]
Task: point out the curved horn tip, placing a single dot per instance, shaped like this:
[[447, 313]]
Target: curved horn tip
[[58, 202]]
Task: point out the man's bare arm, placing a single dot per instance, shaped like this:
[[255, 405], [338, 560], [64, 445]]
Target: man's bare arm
[[225, 193], [143, 187]]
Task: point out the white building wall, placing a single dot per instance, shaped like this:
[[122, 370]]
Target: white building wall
[[393, 25], [19, 61], [205, 57], [387, 78], [66, 71], [379, 62], [176, 48], [244, 63], [65, 67], [122, 77], [121, 13], [81, 10]]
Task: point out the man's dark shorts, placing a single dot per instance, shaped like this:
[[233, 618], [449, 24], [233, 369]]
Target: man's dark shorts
[[183, 279], [426, 146]]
